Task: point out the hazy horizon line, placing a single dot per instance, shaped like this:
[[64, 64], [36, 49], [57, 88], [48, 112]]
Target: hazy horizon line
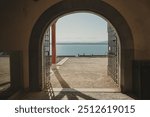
[[82, 42]]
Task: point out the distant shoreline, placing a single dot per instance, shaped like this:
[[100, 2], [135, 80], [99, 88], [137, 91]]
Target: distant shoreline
[[82, 56], [103, 43]]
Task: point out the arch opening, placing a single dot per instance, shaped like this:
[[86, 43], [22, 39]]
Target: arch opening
[[90, 51], [97, 7]]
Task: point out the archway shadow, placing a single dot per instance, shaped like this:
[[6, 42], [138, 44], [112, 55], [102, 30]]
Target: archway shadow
[[72, 94]]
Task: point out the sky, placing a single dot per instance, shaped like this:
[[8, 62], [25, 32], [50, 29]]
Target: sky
[[81, 27]]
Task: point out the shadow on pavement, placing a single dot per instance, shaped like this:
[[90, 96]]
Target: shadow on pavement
[[71, 95]]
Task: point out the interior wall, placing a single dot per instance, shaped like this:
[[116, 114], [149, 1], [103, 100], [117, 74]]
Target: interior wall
[[137, 15], [17, 18]]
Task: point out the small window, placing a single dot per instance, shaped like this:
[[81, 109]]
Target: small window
[[4, 71]]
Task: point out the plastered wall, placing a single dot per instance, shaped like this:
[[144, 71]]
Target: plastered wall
[[17, 18]]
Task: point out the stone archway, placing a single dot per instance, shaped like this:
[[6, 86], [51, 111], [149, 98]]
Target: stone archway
[[69, 6]]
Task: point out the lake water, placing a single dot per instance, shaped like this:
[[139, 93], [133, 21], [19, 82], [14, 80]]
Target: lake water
[[74, 49]]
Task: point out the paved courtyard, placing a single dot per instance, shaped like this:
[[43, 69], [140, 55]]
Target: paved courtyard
[[83, 73], [84, 78]]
